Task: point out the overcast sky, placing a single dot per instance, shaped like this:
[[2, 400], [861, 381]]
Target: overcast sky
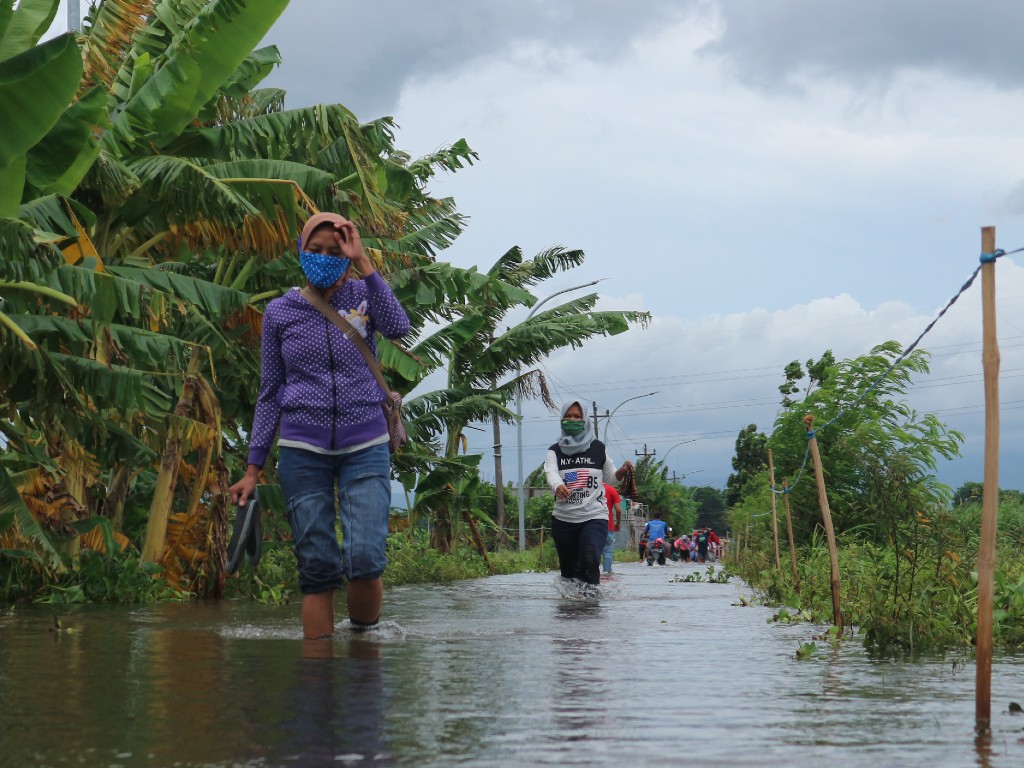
[[769, 178]]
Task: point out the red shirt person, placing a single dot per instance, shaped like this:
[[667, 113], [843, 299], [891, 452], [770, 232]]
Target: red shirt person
[[614, 502]]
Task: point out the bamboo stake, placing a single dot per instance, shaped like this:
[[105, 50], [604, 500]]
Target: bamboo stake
[[775, 514], [789, 530], [826, 514], [990, 487]]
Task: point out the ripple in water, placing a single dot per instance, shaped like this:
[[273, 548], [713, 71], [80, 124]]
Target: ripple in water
[[574, 589]]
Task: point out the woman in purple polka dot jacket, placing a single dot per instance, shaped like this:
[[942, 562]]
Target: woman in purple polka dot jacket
[[317, 389]]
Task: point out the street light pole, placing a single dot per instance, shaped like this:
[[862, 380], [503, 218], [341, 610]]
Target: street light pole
[[608, 422], [519, 416], [665, 457]]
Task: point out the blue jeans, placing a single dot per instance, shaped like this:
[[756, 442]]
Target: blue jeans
[[607, 553], [579, 548], [362, 481]]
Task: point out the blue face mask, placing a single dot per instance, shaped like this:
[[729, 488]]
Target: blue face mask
[[322, 270]]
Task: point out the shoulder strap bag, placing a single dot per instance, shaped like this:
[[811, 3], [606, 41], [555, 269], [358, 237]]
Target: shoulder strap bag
[[398, 437]]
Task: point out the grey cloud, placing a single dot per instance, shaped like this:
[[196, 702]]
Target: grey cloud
[[361, 54], [772, 44]]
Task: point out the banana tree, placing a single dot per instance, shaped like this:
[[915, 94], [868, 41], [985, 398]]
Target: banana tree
[[153, 210]]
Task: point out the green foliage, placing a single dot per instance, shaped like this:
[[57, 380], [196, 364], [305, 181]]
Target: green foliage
[[786, 616], [15, 515], [917, 595], [411, 560], [711, 576], [674, 502], [710, 504], [275, 580], [817, 374], [36, 87], [806, 650], [878, 454], [538, 514], [1008, 610], [750, 460], [97, 578]]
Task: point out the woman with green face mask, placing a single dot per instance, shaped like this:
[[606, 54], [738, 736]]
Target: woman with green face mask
[[577, 467]]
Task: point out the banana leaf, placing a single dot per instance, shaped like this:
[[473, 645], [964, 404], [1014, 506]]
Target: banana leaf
[[60, 161], [12, 507], [22, 30], [35, 89]]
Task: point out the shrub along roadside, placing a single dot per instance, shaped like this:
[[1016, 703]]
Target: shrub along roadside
[[917, 596], [96, 578]]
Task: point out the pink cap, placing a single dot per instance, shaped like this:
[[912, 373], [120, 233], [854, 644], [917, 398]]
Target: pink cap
[[316, 220]]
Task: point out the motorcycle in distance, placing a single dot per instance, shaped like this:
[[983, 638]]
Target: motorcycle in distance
[[656, 551]]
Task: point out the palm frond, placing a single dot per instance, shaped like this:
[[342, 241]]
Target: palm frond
[[432, 226], [450, 159]]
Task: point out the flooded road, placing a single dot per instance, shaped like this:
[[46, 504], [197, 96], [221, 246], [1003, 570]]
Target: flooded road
[[505, 671]]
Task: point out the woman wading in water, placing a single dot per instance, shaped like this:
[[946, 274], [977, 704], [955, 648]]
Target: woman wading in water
[[577, 467], [316, 387]]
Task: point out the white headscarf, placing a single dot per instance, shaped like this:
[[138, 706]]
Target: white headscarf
[[573, 444]]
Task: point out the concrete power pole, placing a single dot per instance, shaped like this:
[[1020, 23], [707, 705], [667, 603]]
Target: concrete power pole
[[74, 16], [645, 454]]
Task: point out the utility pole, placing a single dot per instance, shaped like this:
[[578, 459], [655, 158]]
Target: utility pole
[[596, 436], [645, 454], [74, 16], [499, 480]]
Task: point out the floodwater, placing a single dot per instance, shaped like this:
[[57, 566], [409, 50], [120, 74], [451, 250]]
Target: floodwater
[[506, 671]]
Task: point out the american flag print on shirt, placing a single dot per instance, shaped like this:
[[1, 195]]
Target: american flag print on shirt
[[577, 479]]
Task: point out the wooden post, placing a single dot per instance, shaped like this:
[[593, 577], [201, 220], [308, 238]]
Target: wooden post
[[990, 486], [540, 550], [775, 521], [789, 530], [826, 514]]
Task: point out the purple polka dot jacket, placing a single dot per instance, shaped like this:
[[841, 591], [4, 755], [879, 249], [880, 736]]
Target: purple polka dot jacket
[[314, 384]]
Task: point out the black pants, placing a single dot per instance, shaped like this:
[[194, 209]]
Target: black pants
[[579, 548]]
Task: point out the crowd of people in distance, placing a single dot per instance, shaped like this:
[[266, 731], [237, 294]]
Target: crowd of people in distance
[[700, 546]]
